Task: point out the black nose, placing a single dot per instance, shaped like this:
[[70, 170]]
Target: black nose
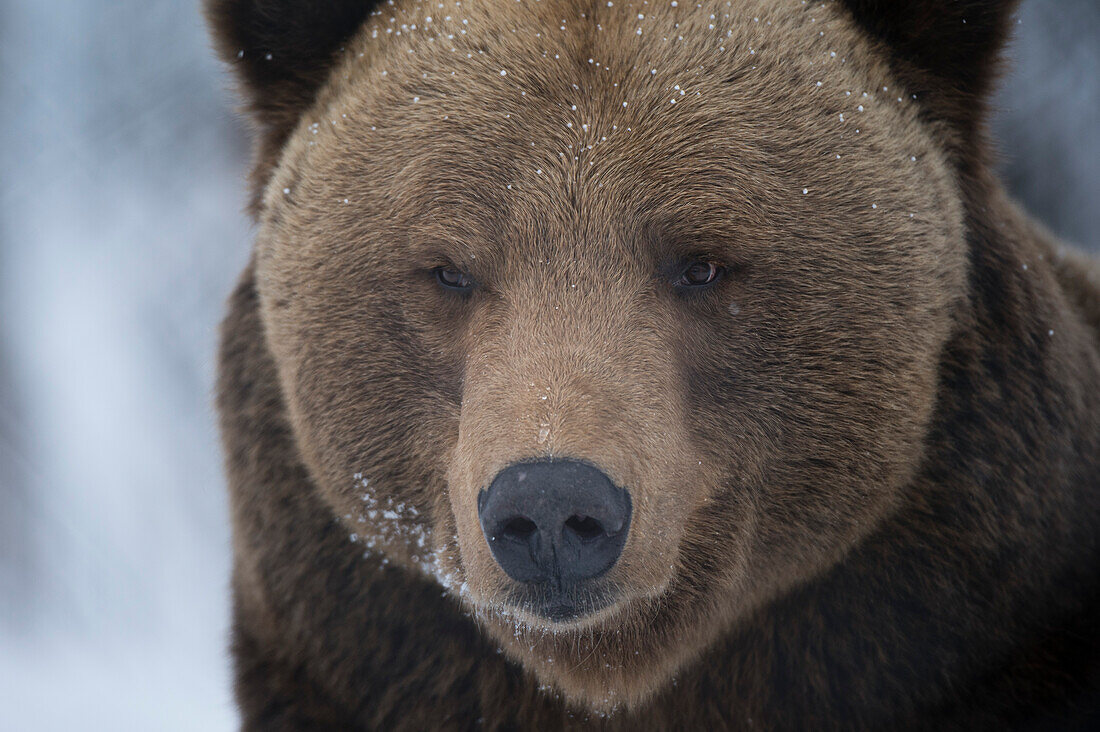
[[557, 521]]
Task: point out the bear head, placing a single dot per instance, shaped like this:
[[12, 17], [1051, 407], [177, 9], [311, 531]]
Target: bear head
[[617, 319]]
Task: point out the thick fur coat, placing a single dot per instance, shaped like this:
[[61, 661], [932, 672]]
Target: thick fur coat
[[864, 460]]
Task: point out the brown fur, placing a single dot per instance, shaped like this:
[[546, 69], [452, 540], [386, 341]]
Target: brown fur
[[864, 466]]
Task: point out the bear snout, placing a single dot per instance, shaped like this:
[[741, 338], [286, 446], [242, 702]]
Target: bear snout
[[554, 525]]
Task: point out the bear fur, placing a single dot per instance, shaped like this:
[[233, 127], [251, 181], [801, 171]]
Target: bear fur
[[865, 463]]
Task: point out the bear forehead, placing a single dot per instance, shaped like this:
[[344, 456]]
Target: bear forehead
[[470, 113]]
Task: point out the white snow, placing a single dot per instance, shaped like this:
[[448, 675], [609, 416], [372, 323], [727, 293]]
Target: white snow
[[121, 235]]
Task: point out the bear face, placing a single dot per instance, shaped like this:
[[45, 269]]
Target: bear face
[[711, 252]]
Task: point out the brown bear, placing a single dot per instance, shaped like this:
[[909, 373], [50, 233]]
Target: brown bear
[[648, 364]]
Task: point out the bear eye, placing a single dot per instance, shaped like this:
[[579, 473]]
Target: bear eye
[[453, 279], [698, 273]]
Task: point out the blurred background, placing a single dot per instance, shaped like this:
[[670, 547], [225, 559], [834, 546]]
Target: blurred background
[[121, 233]]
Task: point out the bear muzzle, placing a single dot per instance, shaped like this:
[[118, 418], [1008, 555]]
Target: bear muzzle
[[556, 526]]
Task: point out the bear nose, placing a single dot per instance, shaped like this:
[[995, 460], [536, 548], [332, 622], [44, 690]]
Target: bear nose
[[559, 521]]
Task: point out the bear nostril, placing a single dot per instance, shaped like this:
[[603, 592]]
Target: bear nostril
[[554, 521], [518, 529], [586, 527]]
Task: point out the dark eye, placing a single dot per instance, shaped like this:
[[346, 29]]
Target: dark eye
[[453, 279], [698, 274]]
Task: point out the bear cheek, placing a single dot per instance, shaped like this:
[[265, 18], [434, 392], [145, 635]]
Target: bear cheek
[[333, 358]]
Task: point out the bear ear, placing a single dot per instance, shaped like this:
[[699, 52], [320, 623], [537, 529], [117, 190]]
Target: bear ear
[[946, 52], [282, 51]]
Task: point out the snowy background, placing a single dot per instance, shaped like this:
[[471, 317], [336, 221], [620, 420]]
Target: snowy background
[[121, 233]]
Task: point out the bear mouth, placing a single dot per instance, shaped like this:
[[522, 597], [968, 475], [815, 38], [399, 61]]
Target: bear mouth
[[561, 604]]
